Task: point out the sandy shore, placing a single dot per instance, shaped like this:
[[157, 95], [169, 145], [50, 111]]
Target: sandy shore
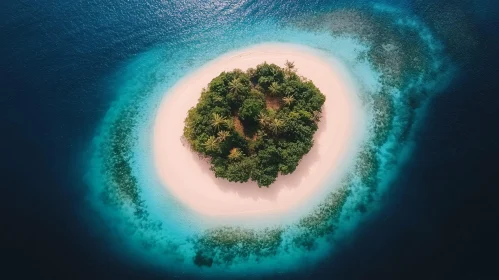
[[189, 179]]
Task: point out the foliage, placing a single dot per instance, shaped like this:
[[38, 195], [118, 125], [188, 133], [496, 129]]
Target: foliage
[[237, 125], [251, 108]]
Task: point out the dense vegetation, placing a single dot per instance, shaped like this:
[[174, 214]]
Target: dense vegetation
[[255, 124]]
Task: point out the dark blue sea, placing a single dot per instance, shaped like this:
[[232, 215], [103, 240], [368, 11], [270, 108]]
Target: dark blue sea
[[69, 68]]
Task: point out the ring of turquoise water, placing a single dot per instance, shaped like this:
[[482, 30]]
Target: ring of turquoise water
[[394, 72]]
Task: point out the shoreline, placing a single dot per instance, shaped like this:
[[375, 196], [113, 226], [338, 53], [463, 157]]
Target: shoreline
[[188, 178]]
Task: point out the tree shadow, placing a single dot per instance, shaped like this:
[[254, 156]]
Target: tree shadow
[[251, 190], [250, 128]]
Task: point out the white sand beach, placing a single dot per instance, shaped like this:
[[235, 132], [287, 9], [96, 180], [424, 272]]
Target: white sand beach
[[189, 179]]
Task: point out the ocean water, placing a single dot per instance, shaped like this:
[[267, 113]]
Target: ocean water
[[82, 80]]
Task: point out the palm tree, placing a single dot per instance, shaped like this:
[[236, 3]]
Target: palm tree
[[217, 98], [276, 125], [274, 88], [288, 100], [217, 121], [273, 71], [211, 144], [229, 123], [271, 113], [235, 154], [263, 118], [251, 72], [236, 86], [222, 135], [290, 65]]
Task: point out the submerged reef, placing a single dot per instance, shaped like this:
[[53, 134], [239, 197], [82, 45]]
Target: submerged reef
[[225, 245]]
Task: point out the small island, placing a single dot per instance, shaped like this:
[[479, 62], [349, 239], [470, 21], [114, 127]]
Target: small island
[[257, 124]]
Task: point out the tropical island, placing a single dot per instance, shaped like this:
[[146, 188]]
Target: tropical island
[[255, 125]]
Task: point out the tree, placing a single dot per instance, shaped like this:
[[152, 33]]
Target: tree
[[211, 144], [229, 123], [217, 85], [288, 100], [222, 135], [217, 121], [239, 90], [276, 125], [263, 119], [251, 108], [235, 154], [289, 66], [273, 71], [274, 89], [236, 86], [217, 98]]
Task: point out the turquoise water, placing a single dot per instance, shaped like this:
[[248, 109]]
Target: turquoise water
[[397, 65]]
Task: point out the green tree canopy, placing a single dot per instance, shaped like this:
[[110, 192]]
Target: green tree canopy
[[251, 108], [257, 124]]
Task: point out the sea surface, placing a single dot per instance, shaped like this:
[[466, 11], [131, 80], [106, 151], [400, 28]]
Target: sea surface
[[80, 83]]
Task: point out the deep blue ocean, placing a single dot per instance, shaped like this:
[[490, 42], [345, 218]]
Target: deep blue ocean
[[59, 60]]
